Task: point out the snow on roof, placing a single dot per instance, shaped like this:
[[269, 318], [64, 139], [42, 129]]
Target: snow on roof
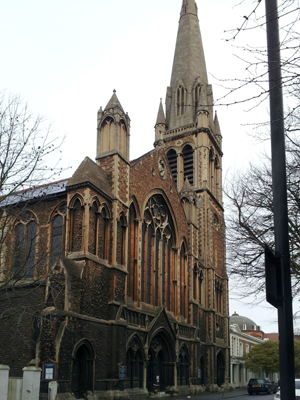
[[36, 192]]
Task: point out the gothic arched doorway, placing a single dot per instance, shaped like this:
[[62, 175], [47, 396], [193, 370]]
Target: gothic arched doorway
[[161, 362], [82, 370], [220, 369], [201, 375], [183, 367], [135, 363]]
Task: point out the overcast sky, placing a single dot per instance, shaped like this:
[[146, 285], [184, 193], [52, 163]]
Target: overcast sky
[[65, 57]]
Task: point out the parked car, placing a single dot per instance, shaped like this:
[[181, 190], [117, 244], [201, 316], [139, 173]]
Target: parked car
[[261, 385], [297, 391]]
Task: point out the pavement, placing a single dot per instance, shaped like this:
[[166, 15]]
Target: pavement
[[238, 392]]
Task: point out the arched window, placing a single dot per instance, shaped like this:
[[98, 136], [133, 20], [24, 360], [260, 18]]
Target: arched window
[[134, 362], [103, 235], [121, 231], [180, 100], [188, 163], [58, 232], [183, 281], [218, 289], [195, 282], [216, 174], [172, 159], [25, 243], [77, 224], [93, 225], [157, 241], [19, 250], [132, 254], [200, 290]]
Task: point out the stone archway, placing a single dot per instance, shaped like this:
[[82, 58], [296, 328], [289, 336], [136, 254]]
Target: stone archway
[[161, 362], [220, 368], [82, 369], [135, 363], [183, 367]]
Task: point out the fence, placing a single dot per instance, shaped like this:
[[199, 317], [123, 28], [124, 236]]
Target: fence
[[26, 388]]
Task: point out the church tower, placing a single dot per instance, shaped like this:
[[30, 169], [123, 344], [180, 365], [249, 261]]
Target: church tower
[[191, 138]]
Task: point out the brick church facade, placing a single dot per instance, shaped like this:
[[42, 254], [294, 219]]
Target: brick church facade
[[136, 292]]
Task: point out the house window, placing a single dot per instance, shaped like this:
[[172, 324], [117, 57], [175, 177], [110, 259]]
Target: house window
[[241, 350]]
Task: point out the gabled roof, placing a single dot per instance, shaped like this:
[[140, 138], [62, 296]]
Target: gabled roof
[[90, 172]]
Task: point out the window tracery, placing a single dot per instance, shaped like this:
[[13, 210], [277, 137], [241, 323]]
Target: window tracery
[[157, 241]]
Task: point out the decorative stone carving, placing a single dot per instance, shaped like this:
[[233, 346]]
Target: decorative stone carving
[[162, 168]]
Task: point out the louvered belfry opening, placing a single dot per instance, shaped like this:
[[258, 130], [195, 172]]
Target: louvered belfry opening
[[188, 164], [172, 159]]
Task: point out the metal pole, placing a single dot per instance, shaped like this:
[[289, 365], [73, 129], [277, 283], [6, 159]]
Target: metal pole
[[285, 313]]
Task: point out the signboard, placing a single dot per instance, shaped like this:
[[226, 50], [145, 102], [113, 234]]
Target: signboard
[[122, 371], [49, 370]]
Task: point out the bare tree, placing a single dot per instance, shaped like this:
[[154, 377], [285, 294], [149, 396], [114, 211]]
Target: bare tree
[[29, 158], [250, 222], [249, 38]]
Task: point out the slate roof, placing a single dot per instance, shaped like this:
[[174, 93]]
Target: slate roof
[[35, 193], [90, 172]]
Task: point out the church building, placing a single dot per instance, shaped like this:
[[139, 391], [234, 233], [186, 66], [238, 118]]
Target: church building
[[122, 266]]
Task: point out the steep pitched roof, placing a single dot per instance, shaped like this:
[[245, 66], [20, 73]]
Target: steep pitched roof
[[114, 103], [90, 172], [160, 115]]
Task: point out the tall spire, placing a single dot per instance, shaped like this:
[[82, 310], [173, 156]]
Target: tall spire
[[189, 68]]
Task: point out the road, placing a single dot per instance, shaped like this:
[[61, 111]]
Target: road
[[232, 396]]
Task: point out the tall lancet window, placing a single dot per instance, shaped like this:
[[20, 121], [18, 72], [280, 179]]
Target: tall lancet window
[[132, 253], [180, 100], [183, 281], [197, 96], [157, 253]]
